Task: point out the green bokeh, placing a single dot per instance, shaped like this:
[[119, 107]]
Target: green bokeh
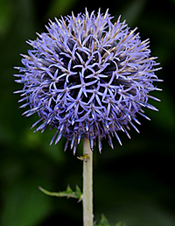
[[133, 183]]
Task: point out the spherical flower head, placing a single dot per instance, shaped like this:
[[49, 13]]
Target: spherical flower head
[[88, 78]]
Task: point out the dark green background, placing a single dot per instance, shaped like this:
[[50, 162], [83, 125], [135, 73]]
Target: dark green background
[[133, 183]]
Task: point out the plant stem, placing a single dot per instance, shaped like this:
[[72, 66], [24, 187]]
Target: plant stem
[[87, 185]]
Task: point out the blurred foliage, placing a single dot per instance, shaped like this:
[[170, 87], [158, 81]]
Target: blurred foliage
[[104, 222], [133, 183]]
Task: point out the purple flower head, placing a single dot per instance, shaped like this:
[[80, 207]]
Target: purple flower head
[[87, 77]]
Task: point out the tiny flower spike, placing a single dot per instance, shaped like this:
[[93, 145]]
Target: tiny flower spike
[[88, 78]]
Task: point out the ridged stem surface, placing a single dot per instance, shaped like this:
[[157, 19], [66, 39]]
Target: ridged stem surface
[[87, 185]]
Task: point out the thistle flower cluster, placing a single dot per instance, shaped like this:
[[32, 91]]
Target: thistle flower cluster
[[88, 78]]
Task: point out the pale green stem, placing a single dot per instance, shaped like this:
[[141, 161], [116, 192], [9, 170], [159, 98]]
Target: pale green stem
[[87, 185]]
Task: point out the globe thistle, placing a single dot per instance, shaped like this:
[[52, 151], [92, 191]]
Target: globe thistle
[[88, 78]]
